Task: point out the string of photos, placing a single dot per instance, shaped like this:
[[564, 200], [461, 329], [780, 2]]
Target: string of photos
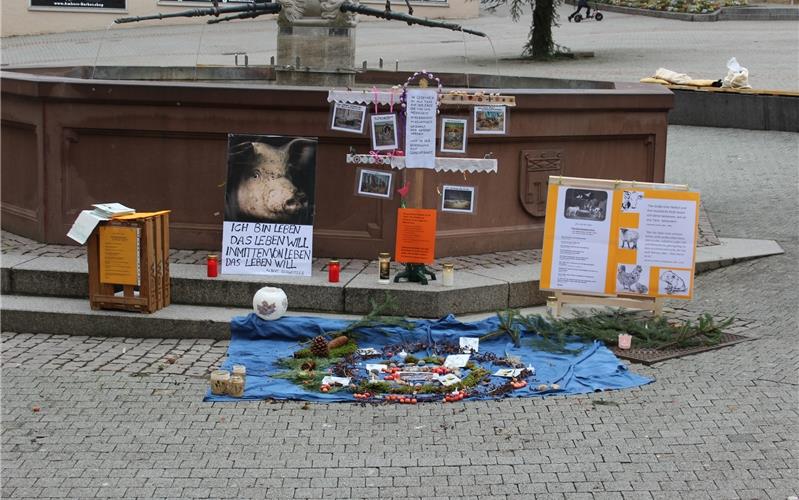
[[408, 130]]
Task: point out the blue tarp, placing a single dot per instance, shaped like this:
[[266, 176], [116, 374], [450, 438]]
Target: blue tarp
[[258, 344]]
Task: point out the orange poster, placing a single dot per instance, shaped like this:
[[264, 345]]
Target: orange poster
[[119, 255], [416, 235]]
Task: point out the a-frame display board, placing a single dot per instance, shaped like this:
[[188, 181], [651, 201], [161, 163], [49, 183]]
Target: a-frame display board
[[618, 243]]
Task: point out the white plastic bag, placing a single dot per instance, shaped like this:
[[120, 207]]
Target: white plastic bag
[[737, 76]]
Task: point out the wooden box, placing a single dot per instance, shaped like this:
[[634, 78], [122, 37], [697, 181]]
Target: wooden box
[[129, 263]]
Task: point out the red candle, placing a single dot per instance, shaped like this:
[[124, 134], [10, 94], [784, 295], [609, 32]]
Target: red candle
[[333, 271], [212, 265]]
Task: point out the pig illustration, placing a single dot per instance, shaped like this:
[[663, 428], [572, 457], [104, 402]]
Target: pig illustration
[[270, 179]]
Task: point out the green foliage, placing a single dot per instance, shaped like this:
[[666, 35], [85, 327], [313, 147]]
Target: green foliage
[[345, 350], [380, 315], [507, 319], [410, 359], [649, 332], [475, 376], [690, 6], [552, 334]]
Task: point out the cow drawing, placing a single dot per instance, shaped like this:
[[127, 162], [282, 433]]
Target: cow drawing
[[271, 183], [630, 200], [629, 237]]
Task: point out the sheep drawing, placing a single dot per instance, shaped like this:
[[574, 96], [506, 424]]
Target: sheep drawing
[[673, 283], [572, 211], [628, 237], [270, 179]]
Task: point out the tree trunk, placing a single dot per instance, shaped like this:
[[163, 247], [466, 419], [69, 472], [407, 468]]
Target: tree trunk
[[541, 44]]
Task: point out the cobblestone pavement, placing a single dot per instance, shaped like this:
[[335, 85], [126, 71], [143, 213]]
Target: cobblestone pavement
[[626, 48], [94, 417]]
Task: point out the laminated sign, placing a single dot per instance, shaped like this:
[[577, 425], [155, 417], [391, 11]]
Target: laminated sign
[[619, 238]]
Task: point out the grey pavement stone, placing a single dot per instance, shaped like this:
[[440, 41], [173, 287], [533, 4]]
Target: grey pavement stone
[[721, 424]]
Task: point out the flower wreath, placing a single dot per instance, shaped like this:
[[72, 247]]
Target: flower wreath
[[411, 79]]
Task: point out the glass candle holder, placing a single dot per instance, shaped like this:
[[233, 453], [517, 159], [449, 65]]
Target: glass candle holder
[[235, 386], [333, 271], [625, 341], [219, 381], [212, 266], [384, 268], [448, 275], [239, 371]]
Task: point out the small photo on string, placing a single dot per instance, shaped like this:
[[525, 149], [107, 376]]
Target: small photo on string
[[490, 120], [347, 117], [453, 135], [374, 183], [458, 199], [384, 132]]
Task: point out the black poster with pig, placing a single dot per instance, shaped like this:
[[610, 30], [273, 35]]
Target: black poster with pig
[[269, 205]]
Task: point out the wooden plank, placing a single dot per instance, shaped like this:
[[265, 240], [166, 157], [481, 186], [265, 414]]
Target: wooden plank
[[613, 184], [159, 265], [148, 265], [556, 303], [165, 283], [93, 256], [472, 99], [786, 93]]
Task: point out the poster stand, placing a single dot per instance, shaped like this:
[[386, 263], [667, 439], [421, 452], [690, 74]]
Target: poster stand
[[416, 272], [153, 290], [556, 302]]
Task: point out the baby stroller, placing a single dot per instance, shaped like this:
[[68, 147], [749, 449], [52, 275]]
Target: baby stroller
[[593, 14]]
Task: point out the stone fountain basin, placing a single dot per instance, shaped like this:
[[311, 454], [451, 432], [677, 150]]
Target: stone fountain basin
[[156, 137]]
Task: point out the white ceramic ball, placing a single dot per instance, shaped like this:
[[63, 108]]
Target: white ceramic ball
[[270, 303]]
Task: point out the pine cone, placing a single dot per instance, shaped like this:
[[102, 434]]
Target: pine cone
[[319, 347]]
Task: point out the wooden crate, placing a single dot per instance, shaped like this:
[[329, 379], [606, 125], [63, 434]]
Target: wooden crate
[[153, 289]]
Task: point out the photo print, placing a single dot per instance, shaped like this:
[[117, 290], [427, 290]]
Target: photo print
[[628, 238], [270, 179], [489, 119], [458, 199], [384, 132], [674, 282], [630, 201], [374, 183], [631, 279], [348, 117], [453, 135], [586, 204]]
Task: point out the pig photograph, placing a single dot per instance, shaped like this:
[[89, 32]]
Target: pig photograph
[[270, 179]]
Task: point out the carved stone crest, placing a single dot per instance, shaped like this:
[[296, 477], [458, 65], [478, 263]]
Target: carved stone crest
[[536, 165]]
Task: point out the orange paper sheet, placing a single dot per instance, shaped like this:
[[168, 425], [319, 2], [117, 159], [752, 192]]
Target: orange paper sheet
[[119, 255], [416, 235]]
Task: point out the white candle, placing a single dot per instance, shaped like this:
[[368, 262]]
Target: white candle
[[448, 275]]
